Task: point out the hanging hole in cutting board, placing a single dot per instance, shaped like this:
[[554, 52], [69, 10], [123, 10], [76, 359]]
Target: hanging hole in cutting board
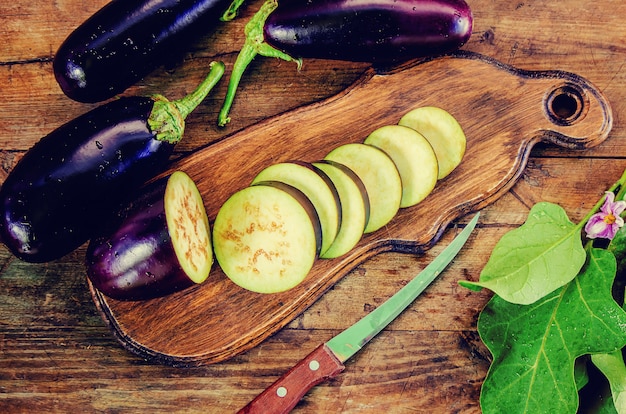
[[566, 104]]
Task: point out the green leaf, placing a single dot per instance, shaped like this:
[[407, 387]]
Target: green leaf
[[613, 368], [581, 376], [542, 255], [535, 346], [618, 245], [603, 404], [612, 365]]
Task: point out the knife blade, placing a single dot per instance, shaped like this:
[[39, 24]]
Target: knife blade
[[326, 361]]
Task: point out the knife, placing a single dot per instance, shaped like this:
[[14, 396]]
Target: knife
[[326, 361]]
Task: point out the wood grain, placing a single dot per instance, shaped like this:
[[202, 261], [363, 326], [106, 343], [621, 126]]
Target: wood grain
[[58, 356], [502, 122]]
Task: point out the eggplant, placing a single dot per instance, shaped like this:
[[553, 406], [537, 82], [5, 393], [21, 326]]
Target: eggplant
[[157, 244], [377, 31], [369, 30], [266, 237], [126, 40], [64, 187]]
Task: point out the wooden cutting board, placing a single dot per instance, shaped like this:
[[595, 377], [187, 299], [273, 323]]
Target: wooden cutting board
[[504, 112]]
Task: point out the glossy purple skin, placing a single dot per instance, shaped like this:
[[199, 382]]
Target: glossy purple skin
[[126, 40], [135, 259], [369, 30], [65, 186]]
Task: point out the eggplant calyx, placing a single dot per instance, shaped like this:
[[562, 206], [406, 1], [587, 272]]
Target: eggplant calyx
[[166, 121], [253, 45], [167, 118]]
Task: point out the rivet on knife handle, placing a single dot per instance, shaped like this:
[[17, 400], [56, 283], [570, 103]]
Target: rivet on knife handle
[[288, 390]]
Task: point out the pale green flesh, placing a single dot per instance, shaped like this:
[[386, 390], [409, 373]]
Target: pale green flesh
[[188, 226], [414, 157], [350, 341], [380, 177], [264, 239], [443, 132], [323, 197], [353, 211]]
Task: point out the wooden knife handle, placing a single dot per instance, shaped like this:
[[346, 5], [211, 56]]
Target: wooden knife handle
[[284, 394]]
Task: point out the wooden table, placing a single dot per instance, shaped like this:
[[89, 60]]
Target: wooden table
[[57, 355]]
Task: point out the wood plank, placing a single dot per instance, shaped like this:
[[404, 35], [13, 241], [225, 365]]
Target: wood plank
[[55, 347], [56, 354]]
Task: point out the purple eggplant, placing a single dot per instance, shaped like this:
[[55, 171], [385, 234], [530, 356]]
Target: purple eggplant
[[369, 30], [157, 244], [126, 40], [65, 185], [376, 31]]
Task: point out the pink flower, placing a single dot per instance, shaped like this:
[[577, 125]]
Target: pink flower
[[607, 221]]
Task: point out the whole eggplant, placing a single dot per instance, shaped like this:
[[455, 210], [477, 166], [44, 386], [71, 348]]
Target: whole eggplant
[[126, 40], [369, 30], [376, 31], [66, 185], [158, 243]]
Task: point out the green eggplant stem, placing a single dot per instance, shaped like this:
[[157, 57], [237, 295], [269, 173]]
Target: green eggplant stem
[[232, 10], [253, 45], [167, 119], [620, 187]]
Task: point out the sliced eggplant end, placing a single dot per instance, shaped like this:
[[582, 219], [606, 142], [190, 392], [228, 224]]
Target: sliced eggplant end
[[188, 226], [159, 244]]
